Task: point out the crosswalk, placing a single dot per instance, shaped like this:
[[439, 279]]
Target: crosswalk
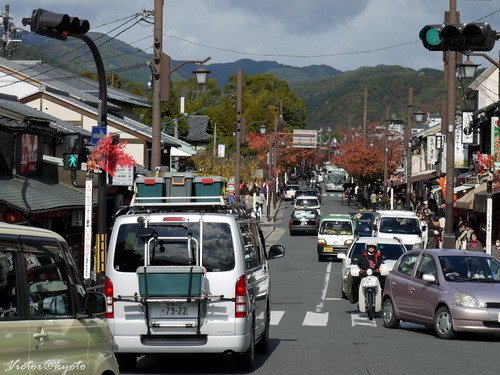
[[320, 319]]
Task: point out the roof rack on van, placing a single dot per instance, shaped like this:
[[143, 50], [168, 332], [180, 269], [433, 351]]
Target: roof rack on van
[[177, 201]]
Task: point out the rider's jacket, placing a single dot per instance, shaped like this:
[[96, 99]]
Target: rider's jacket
[[368, 260]]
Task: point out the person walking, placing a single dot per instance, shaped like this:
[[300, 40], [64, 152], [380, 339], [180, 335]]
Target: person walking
[[374, 200], [434, 233]]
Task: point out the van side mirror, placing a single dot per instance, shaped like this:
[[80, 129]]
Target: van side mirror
[[94, 303], [424, 228], [276, 251]]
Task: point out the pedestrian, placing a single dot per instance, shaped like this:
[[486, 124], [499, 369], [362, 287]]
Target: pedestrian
[[473, 244], [460, 236], [434, 233], [495, 250], [374, 200]]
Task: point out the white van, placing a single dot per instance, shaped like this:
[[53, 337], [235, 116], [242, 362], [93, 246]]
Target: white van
[[188, 280], [402, 225]]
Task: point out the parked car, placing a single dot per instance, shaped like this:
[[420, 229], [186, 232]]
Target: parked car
[[218, 251], [46, 316], [290, 190], [307, 201], [336, 234], [390, 248], [304, 221], [452, 290]]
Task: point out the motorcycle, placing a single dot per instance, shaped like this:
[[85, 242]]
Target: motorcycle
[[370, 288]]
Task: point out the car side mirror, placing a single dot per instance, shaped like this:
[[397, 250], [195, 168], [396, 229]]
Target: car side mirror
[[427, 277], [424, 228], [276, 251], [94, 303]]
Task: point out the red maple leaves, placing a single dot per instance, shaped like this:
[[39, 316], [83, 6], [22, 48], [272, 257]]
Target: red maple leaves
[[109, 154]]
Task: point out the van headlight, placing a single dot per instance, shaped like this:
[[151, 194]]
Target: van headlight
[[466, 300], [348, 243]]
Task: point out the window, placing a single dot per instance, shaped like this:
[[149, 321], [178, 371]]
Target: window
[[426, 266], [407, 263], [400, 225], [251, 245], [218, 253], [461, 268], [8, 297], [336, 227], [48, 291]]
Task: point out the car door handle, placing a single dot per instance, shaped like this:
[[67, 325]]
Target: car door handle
[[412, 290], [393, 283]]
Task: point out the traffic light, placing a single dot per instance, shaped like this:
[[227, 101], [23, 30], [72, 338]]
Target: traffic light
[[72, 152], [55, 25], [458, 37]]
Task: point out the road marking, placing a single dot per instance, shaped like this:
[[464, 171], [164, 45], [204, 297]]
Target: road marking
[[315, 319], [319, 306], [334, 299], [276, 317], [358, 319]]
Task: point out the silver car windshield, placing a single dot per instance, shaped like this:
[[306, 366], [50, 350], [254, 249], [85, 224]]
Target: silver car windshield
[[400, 225], [470, 268]]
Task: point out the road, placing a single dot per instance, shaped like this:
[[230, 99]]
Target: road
[[315, 332]]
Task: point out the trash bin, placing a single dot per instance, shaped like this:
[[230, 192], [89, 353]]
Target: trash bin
[[149, 187], [179, 184], [208, 186]]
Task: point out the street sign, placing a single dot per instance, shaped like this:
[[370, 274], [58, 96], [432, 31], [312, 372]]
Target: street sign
[[124, 176], [98, 132], [231, 187], [305, 138]]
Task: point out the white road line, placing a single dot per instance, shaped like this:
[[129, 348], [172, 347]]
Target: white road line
[[276, 317], [315, 319], [358, 319], [319, 306], [333, 299]]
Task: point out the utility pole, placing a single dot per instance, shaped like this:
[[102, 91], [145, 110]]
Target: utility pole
[[6, 30], [365, 115], [450, 68], [157, 64], [239, 95], [386, 152], [407, 137]]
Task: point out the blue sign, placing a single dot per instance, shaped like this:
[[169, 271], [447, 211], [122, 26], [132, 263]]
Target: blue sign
[[98, 132]]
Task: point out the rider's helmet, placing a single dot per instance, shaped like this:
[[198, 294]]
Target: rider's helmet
[[371, 247]]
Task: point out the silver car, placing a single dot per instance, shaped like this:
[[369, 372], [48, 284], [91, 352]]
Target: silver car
[[453, 290]]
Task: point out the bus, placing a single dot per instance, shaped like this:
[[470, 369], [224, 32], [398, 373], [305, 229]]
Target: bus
[[335, 179]]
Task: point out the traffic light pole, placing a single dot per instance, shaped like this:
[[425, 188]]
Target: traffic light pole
[[101, 237], [450, 79]]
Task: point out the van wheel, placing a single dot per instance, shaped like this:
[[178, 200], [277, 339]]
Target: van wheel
[[247, 358], [262, 346], [126, 361]]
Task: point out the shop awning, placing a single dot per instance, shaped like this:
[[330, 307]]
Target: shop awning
[[467, 201], [480, 201], [423, 176]]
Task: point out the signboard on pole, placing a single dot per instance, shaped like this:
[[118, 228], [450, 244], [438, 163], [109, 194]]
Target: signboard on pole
[[87, 242], [305, 138], [124, 176], [98, 132]]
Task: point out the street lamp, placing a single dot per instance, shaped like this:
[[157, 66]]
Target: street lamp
[[467, 69]]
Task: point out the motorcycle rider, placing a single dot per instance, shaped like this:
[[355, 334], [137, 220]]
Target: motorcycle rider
[[370, 258]]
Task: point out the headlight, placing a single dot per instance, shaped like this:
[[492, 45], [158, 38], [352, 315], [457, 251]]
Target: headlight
[[369, 272], [347, 242], [466, 300]]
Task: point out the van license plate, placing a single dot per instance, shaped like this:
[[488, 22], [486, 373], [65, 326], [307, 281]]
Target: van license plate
[[328, 249], [173, 310]]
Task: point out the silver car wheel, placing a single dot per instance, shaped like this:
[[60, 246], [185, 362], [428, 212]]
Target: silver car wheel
[[443, 323]]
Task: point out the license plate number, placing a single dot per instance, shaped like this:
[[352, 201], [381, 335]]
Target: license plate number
[[173, 310], [328, 249]]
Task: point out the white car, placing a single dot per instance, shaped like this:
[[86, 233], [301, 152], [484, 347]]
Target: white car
[[390, 248], [290, 191], [403, 225], [307, 201]]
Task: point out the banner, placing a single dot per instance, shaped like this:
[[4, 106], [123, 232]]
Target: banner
[[495, 151], [442, 183]]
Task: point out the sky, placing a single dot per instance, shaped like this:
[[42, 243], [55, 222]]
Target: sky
[[344, 34]]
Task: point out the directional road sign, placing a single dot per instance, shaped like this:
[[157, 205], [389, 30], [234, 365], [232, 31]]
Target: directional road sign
[[98, 132]]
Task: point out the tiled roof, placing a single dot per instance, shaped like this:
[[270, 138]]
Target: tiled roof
[[198, 127], [41, 195], [79, 87], [32, 113]]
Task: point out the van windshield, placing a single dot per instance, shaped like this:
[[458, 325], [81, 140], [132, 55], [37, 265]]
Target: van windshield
[[400, 225], [336, 227], [218, 254]]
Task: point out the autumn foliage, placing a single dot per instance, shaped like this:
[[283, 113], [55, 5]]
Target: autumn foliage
[[109, 154], [365, 160]]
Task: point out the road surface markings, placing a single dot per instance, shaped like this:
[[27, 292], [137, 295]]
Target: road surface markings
[[319, 306], [358, 319], [315, 319], [333, 299], [276, 317]]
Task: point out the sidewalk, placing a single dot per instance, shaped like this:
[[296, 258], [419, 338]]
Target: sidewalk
[[271, 233]]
